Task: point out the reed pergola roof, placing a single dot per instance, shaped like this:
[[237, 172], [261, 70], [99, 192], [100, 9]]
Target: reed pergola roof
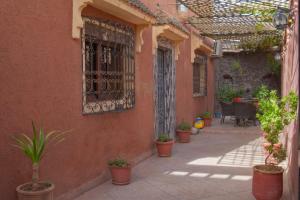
[[227, 20]]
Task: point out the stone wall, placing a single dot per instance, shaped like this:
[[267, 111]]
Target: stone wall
[[245, 71]]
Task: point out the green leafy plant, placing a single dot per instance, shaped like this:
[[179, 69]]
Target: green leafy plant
[[118, 162], [184, 126], [239, 92], [206, 115], [266, 43], [226, 94], [274, 114], [34, 147], [163, 137], [261, 92]]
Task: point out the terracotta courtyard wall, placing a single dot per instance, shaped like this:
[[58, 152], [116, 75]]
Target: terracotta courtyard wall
[[41, 80], [290, 82]]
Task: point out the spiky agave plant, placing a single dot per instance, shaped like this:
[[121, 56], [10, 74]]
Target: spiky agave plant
[[34, 148]]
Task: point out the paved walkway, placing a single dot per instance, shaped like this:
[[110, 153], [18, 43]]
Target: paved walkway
[[216, 165]]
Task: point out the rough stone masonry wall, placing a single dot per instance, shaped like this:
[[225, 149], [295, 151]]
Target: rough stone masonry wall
[[253, 72]]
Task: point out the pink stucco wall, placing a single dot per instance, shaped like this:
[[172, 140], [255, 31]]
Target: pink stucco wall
[[41, 80], [290, 81]]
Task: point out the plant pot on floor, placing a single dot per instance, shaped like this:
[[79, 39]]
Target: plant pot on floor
[[120, 175], [207, 122], [183, 136], [267, 183], [44, 191], [164, 149]]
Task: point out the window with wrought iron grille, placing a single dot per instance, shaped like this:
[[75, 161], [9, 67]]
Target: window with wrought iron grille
[[108, 66], [200, 75]]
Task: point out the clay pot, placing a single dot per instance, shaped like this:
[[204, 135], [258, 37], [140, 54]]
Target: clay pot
[[164, 149], [267, 184], [183, 136], [237, 99], [120, 175], [43, 194], [207, 122]]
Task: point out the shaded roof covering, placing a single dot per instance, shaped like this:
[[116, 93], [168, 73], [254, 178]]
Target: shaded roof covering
[[231, 19], [141, 6]]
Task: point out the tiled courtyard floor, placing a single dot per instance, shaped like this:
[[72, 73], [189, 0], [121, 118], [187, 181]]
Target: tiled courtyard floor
[[216, 165]]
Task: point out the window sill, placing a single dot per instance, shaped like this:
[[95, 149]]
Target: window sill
[[199, 95]]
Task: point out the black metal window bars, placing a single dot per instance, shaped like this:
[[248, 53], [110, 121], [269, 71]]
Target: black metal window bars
[[108, 66], [200, 76]]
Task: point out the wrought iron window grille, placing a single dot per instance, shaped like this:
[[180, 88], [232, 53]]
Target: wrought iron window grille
[[108, 66], [200, 76]]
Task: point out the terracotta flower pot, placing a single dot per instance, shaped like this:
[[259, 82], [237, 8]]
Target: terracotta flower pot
[[45, 193], [183, 136], [164, 149], [237, 99], [120, 175], [207, 122], [267, 184]]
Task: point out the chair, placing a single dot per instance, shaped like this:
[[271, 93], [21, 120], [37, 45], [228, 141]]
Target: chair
[[227, 109]]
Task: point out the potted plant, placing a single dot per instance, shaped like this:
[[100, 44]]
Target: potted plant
[[34, 148], [207, 118], [184, 132], [120, 171], [274, 114], [164, 145], [238, 95], [260, 92], [226, 94]]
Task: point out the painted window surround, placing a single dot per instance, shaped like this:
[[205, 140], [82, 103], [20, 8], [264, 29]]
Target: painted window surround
[[117, 8], [197, 43], [169, 32]]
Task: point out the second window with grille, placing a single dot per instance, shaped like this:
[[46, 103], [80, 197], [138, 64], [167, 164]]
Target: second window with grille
[[200, 75]]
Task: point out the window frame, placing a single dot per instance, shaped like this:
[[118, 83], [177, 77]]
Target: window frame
[[126, 100], [201, 60]]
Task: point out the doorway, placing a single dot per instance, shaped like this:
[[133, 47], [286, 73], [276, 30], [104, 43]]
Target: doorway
[[165, 118]]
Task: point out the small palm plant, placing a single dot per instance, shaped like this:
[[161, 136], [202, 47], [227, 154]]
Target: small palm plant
[[34, 148]]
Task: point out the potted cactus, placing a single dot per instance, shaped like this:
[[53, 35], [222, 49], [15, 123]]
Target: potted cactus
[[164, 145], [207, 118], [120, 171], [34, 148], [274, 114], [184, 132]]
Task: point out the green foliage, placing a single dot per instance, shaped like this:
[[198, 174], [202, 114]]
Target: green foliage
[[263, 44], [239, 92], [184, 126], [163, 137], [226, 94], [274, 65], [274, 114], [261, 92], [34, 148], [206, 115], [263, 13], [118, 162]]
